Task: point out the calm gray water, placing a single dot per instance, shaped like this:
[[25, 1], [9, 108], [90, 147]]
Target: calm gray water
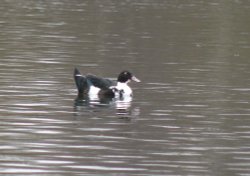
[[190, 115]]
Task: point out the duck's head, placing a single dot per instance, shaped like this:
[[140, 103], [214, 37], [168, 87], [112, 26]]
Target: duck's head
[[126, 76]]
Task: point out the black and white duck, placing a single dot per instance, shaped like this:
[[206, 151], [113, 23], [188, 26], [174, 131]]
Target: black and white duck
[[92, 85]]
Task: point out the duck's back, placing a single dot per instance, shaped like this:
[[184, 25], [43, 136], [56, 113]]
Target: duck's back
[[99, 82]]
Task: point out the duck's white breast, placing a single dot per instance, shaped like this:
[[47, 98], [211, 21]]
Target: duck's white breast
[[125, 88]]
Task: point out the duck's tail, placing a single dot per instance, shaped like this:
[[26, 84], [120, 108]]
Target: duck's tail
[[81, 83]]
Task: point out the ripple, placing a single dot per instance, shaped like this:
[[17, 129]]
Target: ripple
[[103, 168], [98, 129], [25, 171], [178, 154], [54, 162], [166, 126], [190, 105]]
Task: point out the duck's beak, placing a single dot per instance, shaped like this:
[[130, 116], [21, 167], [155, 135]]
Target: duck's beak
[[135, 79]]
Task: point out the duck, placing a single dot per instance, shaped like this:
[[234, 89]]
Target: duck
[[92, 85]]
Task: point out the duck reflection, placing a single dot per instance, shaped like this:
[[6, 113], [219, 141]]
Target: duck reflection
[[122, 105]]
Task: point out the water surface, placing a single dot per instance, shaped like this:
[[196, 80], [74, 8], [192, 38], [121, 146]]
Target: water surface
[[189, 116]]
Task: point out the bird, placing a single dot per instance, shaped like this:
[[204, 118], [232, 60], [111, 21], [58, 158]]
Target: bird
[[92, 85]]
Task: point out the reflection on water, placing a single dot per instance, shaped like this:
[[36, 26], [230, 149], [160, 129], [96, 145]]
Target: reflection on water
[[189, 116], [122, 105]]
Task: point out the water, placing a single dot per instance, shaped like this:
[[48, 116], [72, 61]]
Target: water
[[190, 115]]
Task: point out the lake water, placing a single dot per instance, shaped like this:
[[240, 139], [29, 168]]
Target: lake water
[[190, 115]]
